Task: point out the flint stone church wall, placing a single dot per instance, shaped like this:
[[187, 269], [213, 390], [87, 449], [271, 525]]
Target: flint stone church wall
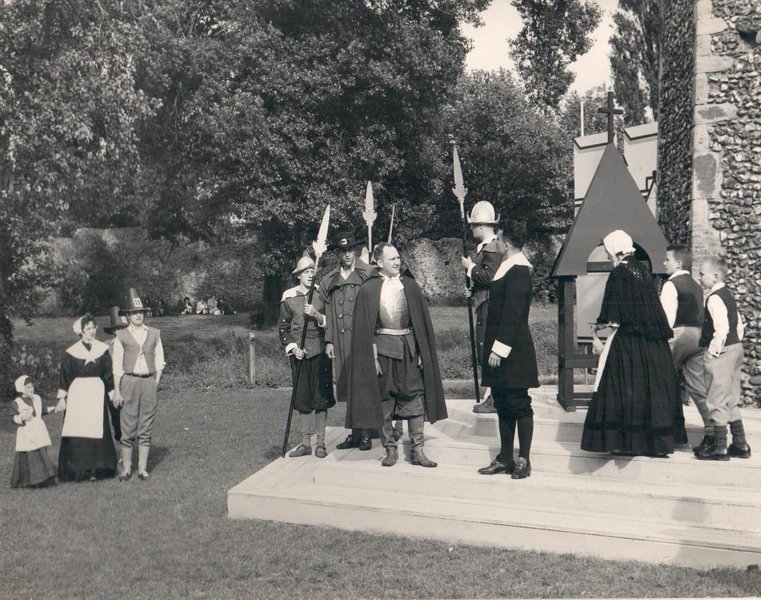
[[725, 194]]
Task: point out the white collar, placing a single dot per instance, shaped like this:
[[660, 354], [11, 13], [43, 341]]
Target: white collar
[[344, 273], [389, 278], [78, 350], [718, 286], [134, 328], [678, 273], [486, 241], [513, 261]]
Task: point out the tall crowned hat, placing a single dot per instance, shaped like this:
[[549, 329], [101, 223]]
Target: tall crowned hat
[[305, 262], [134, 303], [345, 240], [483, 214], [115, 321]]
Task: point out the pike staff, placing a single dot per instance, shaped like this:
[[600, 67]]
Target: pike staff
[[391, 225], [320, 245], [460, 191], [369, 215]]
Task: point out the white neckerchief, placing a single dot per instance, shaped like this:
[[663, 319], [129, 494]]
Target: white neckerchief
[[509, 263], [394, 280], [677, 273], [78, 350], [718, 286], [482, 244]]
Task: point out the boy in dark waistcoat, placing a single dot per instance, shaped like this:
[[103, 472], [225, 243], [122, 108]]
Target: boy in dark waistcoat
[[138, 359], [480, 272], [338, 290], [682, 301], [723, 359], [510, 359], [314, 394], [393, 370]]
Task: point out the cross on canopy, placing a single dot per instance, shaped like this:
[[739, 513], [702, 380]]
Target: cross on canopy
[[611, 110]]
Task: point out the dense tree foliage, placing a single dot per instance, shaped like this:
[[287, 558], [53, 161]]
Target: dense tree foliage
[[554, 34], [222, 119], [634, 57], [69, 112]]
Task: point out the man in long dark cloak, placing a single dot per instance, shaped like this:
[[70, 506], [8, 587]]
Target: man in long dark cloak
[[393, 371], [339, 292]]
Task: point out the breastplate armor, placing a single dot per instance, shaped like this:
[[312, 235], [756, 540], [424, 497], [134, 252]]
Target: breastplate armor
[[394, 312]]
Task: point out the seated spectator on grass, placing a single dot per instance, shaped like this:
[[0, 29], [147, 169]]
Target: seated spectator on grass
[[186, 306], [211, 305], [225, 307], [160, 308], [201, 307], [148, 306]]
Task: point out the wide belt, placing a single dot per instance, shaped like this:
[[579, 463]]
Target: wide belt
[[387, 331], [140, 375]]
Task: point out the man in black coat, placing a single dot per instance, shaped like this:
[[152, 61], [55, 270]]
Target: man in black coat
[[510, 358], [393, 369]]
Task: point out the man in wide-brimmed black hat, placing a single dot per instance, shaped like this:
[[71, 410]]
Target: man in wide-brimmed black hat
[[339, 290], [138, 362]]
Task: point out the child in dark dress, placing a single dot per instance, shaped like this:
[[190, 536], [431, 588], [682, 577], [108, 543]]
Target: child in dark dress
[[32, 466]]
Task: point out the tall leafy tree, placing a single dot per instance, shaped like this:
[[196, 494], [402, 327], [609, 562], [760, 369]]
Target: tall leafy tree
[[554, 34], [513, 156], [69, 111], [314, 98], [634, 57]]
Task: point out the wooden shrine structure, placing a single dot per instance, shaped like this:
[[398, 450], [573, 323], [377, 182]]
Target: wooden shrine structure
[[613, 201]]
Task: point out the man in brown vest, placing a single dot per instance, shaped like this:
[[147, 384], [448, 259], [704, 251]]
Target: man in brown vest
[[138, 359]]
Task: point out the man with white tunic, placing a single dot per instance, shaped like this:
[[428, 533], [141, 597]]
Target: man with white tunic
[[138, 359]]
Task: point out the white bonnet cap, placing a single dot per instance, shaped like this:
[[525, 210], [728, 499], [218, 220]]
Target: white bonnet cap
[[77, 326], [20, 383], [618, 241]]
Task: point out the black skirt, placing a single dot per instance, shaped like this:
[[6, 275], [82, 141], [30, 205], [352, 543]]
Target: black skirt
[[83, 458], [636, 409], [315, 386]]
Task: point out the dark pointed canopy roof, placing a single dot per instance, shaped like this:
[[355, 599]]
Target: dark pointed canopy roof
[[613, 201]]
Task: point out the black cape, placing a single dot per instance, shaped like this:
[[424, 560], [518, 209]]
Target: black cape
[[363, 410]]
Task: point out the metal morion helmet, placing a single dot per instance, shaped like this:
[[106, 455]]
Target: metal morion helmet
[[483, 214], [305, 262]]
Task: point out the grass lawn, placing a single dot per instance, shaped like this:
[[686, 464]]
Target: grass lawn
[[171, 538]]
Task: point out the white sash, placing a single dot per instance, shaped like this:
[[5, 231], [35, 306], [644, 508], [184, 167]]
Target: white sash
[[604, 358], [84, 408]]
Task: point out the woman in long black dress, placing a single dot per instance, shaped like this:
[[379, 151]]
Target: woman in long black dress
[[86, 383], [636, 407]]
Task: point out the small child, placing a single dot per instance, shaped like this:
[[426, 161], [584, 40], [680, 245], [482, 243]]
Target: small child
[[314, 394], [32, 466], [721, 337]]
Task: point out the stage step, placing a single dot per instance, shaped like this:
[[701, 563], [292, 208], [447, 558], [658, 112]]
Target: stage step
[[706, 505], [677, 510], [457, 520]]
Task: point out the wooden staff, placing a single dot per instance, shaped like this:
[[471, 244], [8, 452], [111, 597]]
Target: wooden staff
[[460, 191]]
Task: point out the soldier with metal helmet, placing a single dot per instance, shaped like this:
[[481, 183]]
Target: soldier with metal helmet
[[490, 253], [314, 394]]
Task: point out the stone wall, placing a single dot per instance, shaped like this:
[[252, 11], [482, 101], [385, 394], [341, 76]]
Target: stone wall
[[726, 174], [675, 120]]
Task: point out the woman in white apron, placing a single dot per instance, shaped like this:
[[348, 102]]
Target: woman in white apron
[[85, 384]]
